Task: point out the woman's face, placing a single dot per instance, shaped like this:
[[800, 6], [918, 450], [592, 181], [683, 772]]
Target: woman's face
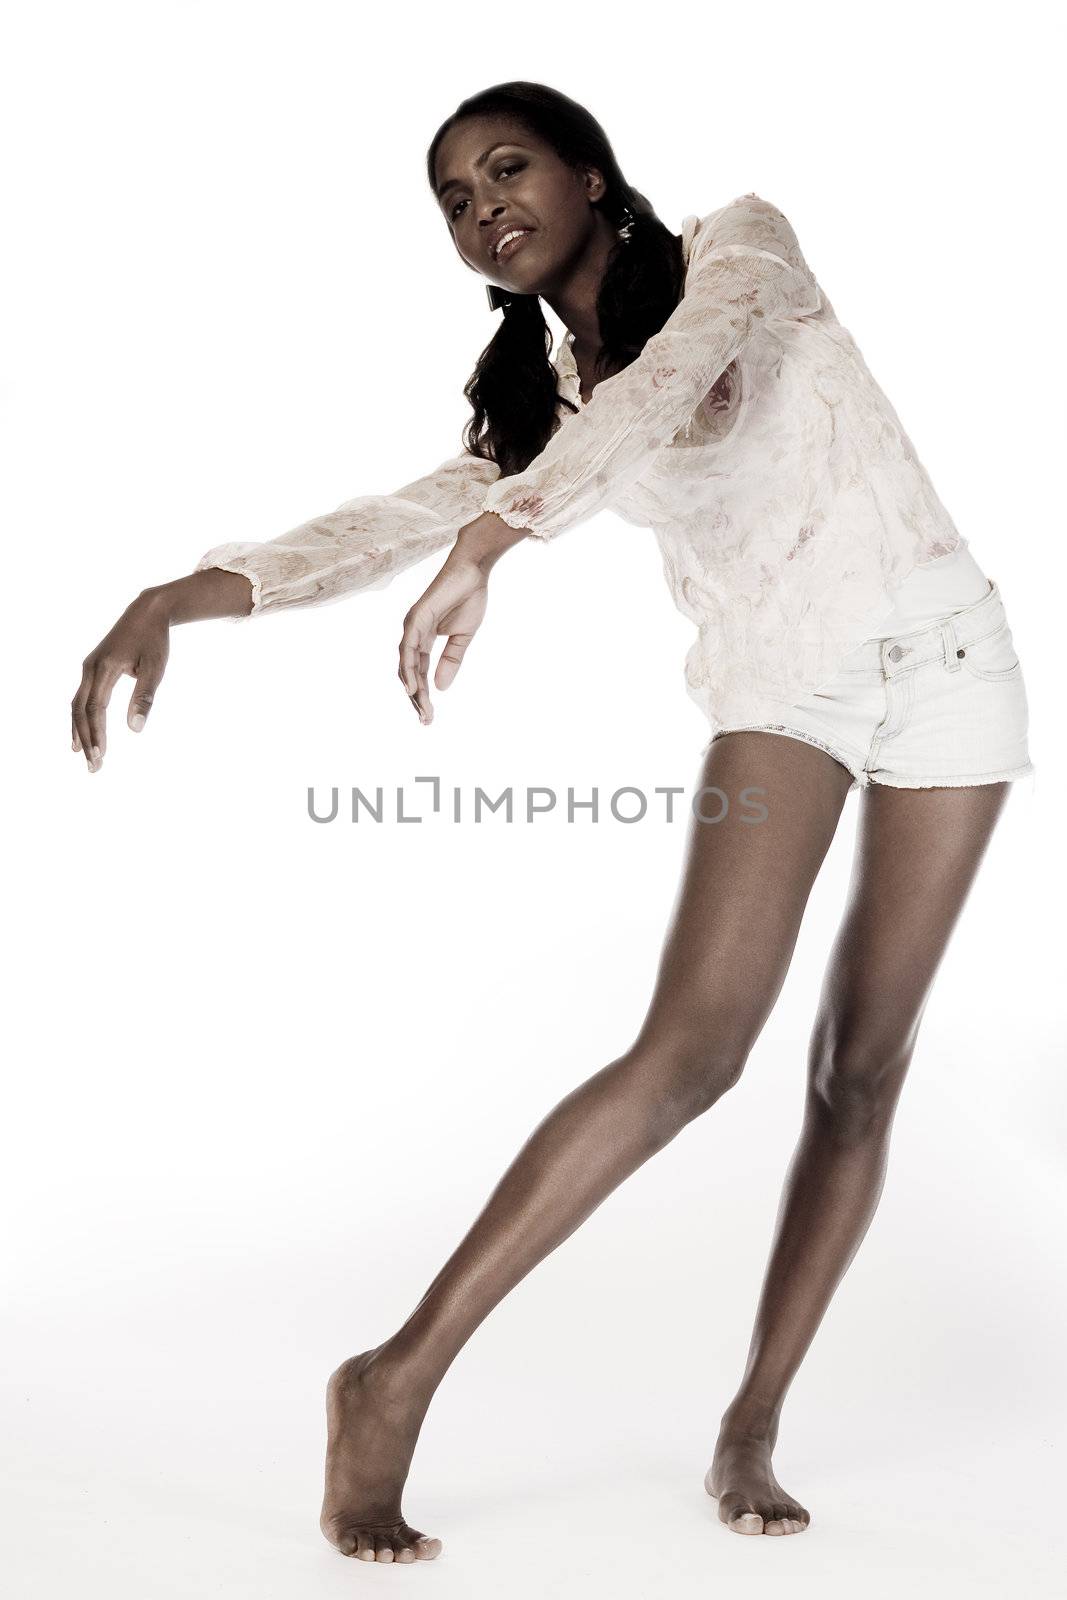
[[492, 176]]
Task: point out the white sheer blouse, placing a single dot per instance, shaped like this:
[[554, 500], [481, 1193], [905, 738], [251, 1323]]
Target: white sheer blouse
[[749, 435]]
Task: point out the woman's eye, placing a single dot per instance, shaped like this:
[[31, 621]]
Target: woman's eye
[[514, 166]]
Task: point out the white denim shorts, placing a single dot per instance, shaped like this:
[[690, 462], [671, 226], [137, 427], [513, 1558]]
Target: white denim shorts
[[944, 705]]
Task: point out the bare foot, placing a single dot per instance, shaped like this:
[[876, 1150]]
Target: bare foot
[[372, 1424], [751, 1500]]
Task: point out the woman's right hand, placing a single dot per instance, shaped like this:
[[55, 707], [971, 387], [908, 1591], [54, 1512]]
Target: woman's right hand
[[138, 644]]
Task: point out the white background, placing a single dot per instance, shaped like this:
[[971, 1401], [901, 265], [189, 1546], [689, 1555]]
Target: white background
[[262, 1074]]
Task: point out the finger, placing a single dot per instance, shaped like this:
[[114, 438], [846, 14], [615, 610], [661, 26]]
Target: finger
[[107, 674], [143, 697], [425, 708], [80, 716], [409, 655], [451, 658], [413, 656], [409, 676]]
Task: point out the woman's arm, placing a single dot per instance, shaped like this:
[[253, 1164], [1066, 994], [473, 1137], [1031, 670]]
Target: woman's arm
[[485, 540], [202, 594], [361, 545], [745, 270]]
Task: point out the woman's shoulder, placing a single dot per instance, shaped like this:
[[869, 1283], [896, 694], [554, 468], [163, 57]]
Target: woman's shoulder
[[748, 221]]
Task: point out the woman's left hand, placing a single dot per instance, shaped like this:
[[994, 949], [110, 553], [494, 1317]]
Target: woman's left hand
[[454, 604]]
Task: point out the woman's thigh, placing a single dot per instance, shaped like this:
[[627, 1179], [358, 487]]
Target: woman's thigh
[[917, 855], [772, 806]]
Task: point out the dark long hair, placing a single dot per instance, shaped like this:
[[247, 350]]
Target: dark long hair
[[513, 387]]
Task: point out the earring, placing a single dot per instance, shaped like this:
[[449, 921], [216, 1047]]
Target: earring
[[628, 220]]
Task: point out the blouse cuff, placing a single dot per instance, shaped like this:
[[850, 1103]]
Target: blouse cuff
[[235, 564], [517, 510]]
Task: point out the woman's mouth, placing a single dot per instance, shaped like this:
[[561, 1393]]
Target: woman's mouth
[[512, 242]]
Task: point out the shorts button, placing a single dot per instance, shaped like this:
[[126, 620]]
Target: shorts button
[[961, 652], [896, 653]]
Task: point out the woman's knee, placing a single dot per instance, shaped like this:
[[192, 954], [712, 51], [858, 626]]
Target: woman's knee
[[689, 1070], [856, 1085]]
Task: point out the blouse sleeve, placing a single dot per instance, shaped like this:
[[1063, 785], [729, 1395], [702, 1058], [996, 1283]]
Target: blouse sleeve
[[745, 270], [361, 545]]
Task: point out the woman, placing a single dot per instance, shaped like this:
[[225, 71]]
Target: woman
[[846, 639]]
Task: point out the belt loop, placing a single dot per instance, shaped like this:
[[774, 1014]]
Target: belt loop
[[948, 635]]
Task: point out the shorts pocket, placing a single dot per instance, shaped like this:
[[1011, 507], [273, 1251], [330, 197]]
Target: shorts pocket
[[992, 657]]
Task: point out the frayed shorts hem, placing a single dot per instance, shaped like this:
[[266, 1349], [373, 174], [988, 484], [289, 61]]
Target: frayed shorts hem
[[859, 777], [896, 781], [862, 779]]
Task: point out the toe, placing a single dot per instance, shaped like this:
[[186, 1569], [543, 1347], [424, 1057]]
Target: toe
[[788, 1518], [383, 1548], [739, 1513], [364, 1547], [746, 1522], [427, 1548]]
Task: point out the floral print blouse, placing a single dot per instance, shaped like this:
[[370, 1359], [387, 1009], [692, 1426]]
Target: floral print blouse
[[749, 435]]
